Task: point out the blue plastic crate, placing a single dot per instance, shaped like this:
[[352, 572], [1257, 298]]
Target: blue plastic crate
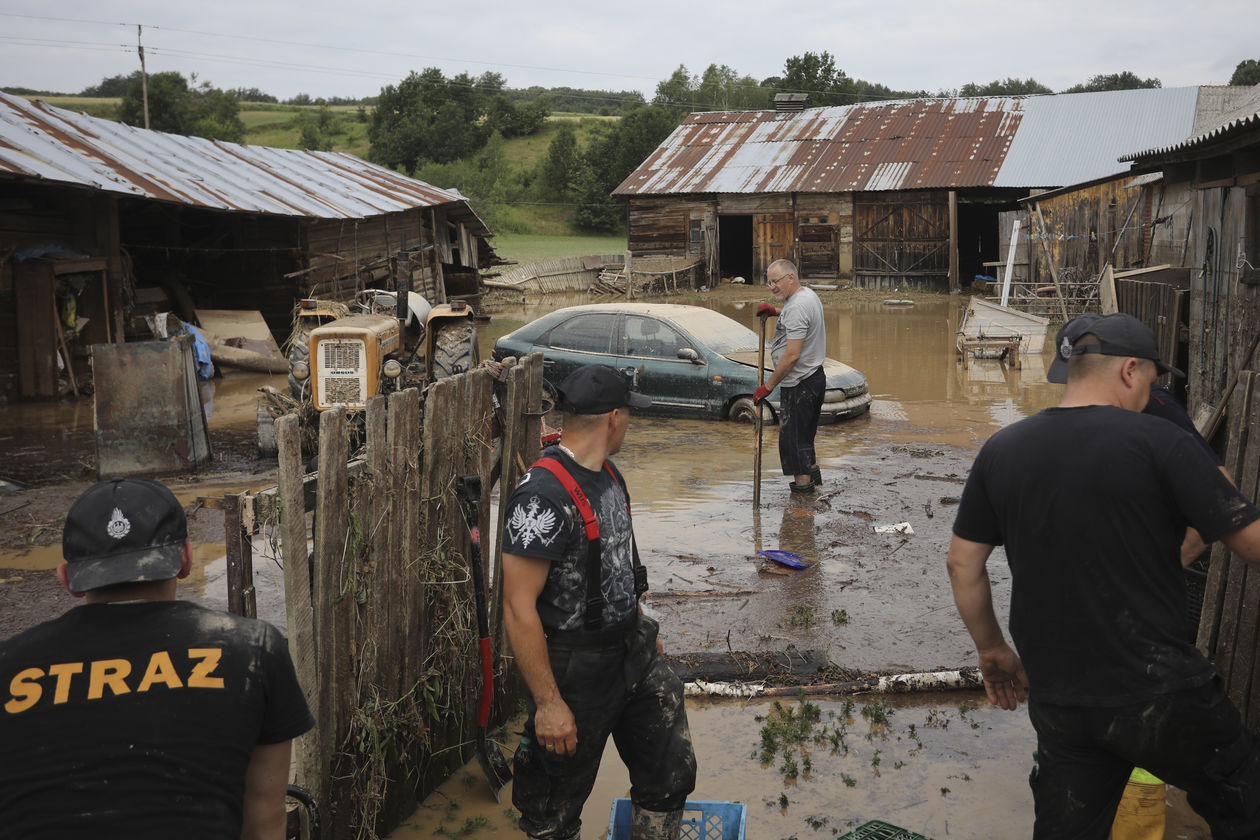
[[702, 820]]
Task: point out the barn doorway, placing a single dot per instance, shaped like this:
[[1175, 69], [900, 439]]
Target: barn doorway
[[978, 239], [735, 247]]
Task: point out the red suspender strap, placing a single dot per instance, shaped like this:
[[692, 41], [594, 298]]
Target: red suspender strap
[[562, 475]]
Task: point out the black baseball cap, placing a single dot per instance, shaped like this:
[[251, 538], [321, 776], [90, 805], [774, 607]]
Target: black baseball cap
[[1118, 334], [597, 389], [126, 530]]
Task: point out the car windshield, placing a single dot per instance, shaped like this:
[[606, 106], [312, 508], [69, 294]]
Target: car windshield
[[719, 333]]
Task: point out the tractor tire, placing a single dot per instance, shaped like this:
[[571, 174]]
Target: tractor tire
[[455, 349], [267, 447], [300, 351]]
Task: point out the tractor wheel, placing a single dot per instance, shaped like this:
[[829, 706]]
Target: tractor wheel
[[266, 433], [455, 349], [300, 351]]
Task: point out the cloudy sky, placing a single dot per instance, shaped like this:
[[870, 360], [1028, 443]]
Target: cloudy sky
[[352, 49]]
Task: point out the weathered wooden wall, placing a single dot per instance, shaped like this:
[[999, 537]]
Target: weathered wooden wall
[[345, 255], [901, 239], [386, 642], [1229, 627]]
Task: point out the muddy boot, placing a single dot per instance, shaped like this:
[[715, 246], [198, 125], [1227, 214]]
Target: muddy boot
[[655, 825], [815, 475]]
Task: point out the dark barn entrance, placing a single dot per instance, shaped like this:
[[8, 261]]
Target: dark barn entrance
[[735, 247]]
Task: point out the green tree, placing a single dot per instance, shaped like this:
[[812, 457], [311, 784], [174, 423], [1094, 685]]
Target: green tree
[[817, 75], [677, 93], [1114, 81], [1246, 73], [178, 107], [1004, 87], [596, 211], [253, 95], [112, 86], [560, 167]]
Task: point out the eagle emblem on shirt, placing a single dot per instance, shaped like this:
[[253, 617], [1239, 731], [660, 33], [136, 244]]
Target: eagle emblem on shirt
[[527, 523]]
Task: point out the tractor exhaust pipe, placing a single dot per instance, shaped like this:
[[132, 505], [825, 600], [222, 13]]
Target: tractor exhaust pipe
[[402, 288]]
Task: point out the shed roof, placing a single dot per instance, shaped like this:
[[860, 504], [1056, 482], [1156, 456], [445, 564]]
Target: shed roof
[[1243, 116], [42, 142], [1018, 142]]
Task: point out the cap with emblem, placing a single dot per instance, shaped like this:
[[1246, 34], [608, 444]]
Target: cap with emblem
[[127, 530], [598, 389], [1118, 334]]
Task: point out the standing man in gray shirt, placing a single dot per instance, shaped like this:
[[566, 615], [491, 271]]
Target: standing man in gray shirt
[[798, 350]]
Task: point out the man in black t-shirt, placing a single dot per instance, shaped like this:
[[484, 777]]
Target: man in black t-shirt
[[590, 660], [1091, 500], [137, 715]]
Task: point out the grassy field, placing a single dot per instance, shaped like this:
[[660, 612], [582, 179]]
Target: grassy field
[[531, 247]]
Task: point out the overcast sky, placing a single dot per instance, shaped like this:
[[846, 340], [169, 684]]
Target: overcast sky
[[352, 49]]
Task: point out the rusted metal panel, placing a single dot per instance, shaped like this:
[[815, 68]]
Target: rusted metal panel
[[42, 142], [1039, 141], [148, 409]]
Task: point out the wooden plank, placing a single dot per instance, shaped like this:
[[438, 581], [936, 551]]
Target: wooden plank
[[311, 761], [1237, 570], [1054, 270], [509, 474], [331, 522], [240, 566], [1248, 634], [379, 660]]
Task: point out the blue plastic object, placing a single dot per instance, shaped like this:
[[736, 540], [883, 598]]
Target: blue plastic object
[[787, 558], [702, 820]]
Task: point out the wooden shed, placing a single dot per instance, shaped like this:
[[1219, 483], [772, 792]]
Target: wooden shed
[[101, 223], [882, 194]]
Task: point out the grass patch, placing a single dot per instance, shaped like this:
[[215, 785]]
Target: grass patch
[[529, 247]]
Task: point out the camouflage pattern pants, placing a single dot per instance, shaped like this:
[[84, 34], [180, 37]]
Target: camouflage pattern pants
[[615, 684]]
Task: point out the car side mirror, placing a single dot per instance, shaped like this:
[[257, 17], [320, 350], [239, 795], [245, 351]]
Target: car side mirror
[[690, 355]]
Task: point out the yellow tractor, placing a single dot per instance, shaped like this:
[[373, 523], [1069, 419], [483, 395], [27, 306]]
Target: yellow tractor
[[343, 356]]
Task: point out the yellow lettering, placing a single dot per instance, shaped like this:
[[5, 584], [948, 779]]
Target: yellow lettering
[[108, 672], [160, 670], [25, 690], [64, 672], [201, 673]]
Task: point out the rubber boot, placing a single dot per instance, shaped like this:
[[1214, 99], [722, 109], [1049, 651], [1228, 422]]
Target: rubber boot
[[655, 825]]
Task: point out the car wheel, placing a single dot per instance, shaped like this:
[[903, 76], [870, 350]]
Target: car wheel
[[743, 410], [455, 349]]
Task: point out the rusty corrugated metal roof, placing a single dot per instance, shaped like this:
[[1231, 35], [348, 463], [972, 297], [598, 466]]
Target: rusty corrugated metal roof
[[40, 141], [1021, 142]]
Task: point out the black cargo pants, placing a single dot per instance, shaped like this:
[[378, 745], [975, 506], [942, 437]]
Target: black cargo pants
[[800, 408], [615, 683]]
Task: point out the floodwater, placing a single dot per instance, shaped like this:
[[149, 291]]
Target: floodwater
[[870, 601]]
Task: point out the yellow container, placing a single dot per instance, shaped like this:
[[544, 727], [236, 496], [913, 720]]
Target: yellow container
[[1140, 815]]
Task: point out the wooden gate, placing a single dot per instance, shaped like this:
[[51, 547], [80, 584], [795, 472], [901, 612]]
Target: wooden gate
[[901, 239], [772, 240]]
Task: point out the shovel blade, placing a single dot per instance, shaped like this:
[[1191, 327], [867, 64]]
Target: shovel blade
[[494, 764]]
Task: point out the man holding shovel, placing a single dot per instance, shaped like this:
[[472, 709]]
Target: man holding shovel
[[571, 583], [798, 351]]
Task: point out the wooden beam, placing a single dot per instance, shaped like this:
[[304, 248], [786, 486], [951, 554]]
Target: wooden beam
[[955, 282]]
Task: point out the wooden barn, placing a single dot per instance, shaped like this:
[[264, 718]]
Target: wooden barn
[[883, 194], [101, 222]]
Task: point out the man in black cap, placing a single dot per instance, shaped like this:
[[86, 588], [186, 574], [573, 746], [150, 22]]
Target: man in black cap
[[135, 714], [1091, 500], [572, 579]]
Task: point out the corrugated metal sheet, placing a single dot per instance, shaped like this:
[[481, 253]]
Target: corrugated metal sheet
[[1038, 141], [1076, 137], [43, 142], [1241, 119]]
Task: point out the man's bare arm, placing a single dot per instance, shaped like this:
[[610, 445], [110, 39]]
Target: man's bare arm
[[1003, 673], [523, 581], [266, 781]]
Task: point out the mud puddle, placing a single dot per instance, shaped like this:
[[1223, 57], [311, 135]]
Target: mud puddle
[[942, 765]]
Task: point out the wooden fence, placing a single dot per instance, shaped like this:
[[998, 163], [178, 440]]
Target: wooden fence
[[381, 621], [1229, 634]]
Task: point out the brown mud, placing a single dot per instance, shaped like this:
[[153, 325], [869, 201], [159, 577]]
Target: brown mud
[[870, 601]]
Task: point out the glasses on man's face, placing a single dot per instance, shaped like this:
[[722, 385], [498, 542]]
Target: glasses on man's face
[[774, 281]]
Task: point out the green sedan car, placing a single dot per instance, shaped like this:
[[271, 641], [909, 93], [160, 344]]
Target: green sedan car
[[690, 361]]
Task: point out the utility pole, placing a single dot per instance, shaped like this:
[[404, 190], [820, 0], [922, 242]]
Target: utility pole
[[144, 76]]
